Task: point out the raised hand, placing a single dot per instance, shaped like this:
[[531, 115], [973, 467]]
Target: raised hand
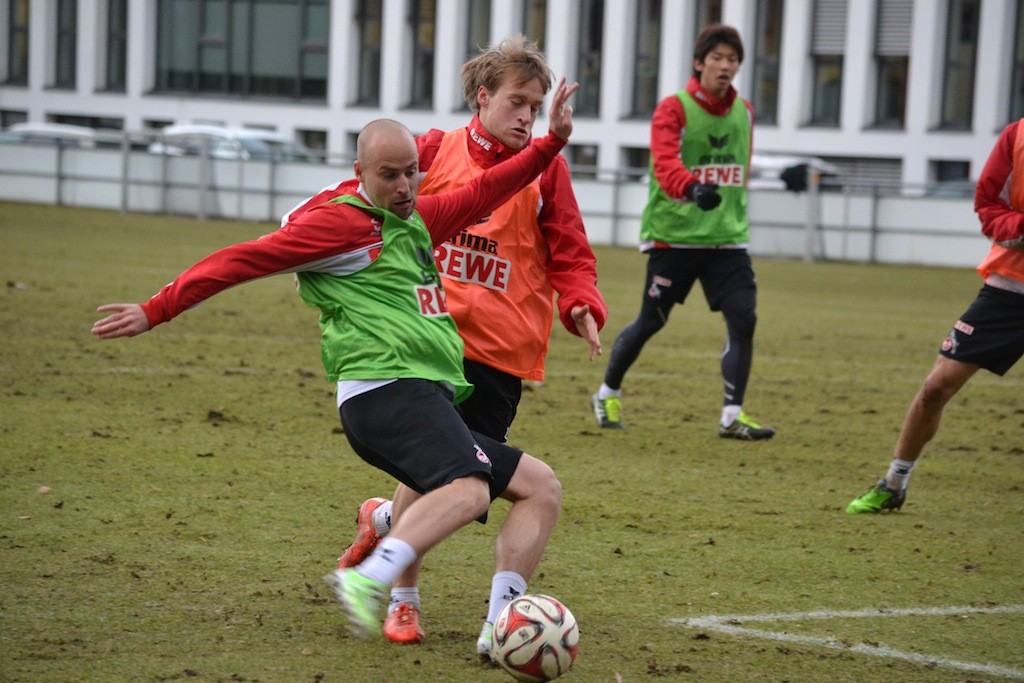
[[127, 320], [560, 116]]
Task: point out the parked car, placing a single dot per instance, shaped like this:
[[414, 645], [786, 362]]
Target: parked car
[[784, 172], [67, 135], [231, 143]]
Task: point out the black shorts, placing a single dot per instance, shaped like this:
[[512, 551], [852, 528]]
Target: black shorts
[[990, 333], [672, 272], [492, 406], [410, 429]]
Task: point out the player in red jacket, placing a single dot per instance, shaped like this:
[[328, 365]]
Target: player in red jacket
[[501, 277], [989, 334]]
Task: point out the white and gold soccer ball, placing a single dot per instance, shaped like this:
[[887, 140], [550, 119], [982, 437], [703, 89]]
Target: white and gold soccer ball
[[535, 638]]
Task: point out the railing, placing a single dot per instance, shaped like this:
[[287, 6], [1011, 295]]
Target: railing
[[829, 221]]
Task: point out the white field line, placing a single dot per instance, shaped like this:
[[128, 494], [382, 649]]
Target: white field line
[[730, 624]]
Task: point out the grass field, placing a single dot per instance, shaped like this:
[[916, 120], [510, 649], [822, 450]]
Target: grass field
[[169, 503]]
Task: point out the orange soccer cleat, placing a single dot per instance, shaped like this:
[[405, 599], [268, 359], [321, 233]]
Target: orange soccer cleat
[[367, 537], [403, 624]]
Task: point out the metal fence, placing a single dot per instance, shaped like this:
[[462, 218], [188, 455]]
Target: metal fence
[[841, 222]]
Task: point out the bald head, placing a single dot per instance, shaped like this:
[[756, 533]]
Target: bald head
[[380, 136], [387, 164]]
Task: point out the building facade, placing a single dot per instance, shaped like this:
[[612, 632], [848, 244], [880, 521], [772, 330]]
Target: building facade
[[894, 92]]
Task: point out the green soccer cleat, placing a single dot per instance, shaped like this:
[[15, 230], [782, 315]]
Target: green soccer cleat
[[877, 498], [745, 429], [608, 411], [361, 597]]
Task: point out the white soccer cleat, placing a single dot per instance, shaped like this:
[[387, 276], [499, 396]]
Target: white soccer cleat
[[485, 644]]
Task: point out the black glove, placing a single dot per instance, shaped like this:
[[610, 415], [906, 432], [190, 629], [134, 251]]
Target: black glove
[[704, 195]]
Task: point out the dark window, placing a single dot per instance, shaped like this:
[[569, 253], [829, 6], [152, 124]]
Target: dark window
[[535, 20], [892, 49], [103, 122], [156, 124], [588, 58], [422, 23], [9, 117], [478, 27], [635, 162], [828, 42], [708, 12], [65, 57], [17, 43], [1017, 83], [961, 52], [582, 160], [315, 140], [117, 45], [767, 51], [946, 171], [368, 20], [646, 52], [270, 48]]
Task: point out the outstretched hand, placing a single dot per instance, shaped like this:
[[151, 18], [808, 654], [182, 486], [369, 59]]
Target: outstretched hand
[[127, 320], [560, 117], [587, 327]]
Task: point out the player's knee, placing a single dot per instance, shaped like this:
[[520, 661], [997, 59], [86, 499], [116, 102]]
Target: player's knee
[[742, 322], [935, 393], [473, 494], [649, 324], [535, 480], [547, 488]]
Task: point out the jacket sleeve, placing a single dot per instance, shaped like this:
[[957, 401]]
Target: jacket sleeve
[[572, 270], [317, 235], [667, 126], [446, 213], [1000, 222]]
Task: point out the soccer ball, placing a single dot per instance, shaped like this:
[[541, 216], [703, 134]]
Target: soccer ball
[[535, 638]]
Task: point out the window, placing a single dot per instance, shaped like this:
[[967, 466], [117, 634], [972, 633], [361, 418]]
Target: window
[[708, 12], [478, 27], [9, 117], [892, 47], [65, 44], [106, 122], [961, 51], [155, 124], [588, 64], [421, 20], [17, 43], [946, 171], [767, 51], [1017, 84], [368, 21], [267, 48], [828, 42], [582, 161], [535, 21], [315, 140], [952, 178], [646, 51], [636, 162], [117, 45], [882, 176]]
